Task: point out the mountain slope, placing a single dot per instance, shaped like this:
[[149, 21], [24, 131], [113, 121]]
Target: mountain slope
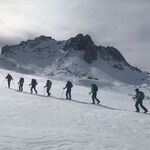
[[36, 122], [77, 58]]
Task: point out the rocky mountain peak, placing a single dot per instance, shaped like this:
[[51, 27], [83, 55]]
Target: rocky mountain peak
[[43, 46], [48, 56], [79, 42], [82, 43], [91, 51], [43, 38], [111, 53]]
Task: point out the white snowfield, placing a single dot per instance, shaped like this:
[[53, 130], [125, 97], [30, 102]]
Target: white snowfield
[[32, 122]]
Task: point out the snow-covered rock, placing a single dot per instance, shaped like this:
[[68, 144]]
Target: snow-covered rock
[[77, 58]]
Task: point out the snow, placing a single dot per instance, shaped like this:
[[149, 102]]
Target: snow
[[32, 122]]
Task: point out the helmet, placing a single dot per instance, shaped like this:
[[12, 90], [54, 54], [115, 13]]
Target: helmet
[[137, 90]]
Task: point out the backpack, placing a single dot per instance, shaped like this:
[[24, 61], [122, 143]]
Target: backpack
[[21, 80], [34, 82], [49, 83], [141, 95], [9, 77], [69, 84], [95, 88]]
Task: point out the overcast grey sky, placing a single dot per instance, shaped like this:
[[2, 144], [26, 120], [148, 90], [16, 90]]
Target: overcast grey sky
[[124, 24]]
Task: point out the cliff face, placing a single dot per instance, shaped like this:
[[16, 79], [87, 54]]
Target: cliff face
[[77, 43], [91, 51], [78, 57]]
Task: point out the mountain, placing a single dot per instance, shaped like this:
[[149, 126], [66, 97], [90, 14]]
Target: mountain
[[77, 58]]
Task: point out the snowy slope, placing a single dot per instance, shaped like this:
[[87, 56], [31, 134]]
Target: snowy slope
[[31, 122], [66, 59]]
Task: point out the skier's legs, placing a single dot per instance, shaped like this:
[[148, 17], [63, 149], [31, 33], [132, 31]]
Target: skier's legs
[[31, 89], [35, 89], [21, 88], [93, 98], [8, 84], [136, 105], [98, 101], [143, 107], [69, 93], [48, 91]]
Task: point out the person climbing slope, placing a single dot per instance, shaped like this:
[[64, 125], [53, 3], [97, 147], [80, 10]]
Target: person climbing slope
[[9, 78], [94, 90], [33, 85], [21, 82], [48, 86], [139, 100], [69, 86]]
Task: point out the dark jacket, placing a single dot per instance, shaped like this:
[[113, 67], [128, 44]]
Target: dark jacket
[[33, 82], [139, 95], [48, 84], [21, 81], [94, 88], [69, 85], [9, 77]]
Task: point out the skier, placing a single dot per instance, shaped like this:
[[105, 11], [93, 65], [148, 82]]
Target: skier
[[94, 90], [48, 85], [33, 85], [69, 85], [139, 100], [21, 81], [9, 78]]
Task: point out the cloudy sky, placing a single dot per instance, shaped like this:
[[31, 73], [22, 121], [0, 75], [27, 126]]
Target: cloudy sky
[[124, 24]]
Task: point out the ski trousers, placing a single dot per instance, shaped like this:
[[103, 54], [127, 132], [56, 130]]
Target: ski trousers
[[140, 102], [33, 87], [94, 97], [68, 94]]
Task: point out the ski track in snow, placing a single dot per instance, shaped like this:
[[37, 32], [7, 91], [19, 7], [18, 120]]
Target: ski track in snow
[[31, 122]]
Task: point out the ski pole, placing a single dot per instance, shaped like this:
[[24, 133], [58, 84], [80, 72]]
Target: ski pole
[[62, 94], [14, 84], [3, 82], [44, 91]]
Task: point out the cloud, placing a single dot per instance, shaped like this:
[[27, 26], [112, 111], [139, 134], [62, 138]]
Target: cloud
[[122, 24]]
